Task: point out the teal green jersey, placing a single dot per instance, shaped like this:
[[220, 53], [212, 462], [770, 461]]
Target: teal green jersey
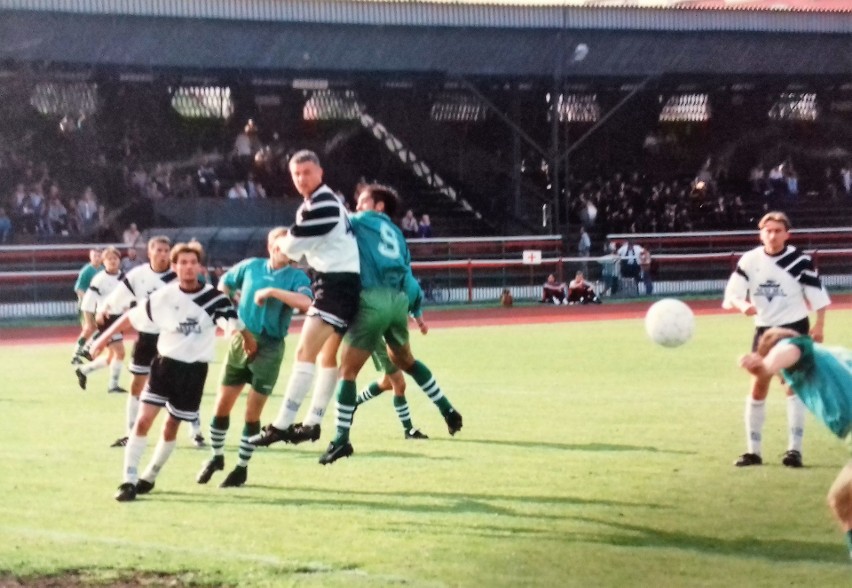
[[382, 250], [822, 378], [273, 317], [87, 272]]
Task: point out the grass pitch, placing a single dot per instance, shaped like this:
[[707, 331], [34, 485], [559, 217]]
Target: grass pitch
[[589, 457]]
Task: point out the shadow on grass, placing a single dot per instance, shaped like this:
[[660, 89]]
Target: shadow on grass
[[602, 447], [781, 550], [453, 502]]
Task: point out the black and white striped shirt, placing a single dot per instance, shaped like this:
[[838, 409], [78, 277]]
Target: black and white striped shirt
[[782, 287], [187, 321], [138, 284], [323, 235]]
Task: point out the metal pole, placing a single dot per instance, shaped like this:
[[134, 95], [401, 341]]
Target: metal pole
[[554, 154]]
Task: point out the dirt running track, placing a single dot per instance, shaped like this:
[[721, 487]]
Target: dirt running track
[[453, 318]]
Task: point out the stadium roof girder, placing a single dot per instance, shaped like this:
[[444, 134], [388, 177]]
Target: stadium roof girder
[[315, 50]]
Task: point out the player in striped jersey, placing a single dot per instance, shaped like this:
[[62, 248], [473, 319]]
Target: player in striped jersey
[[100, 287], [186, 314], [778, 285], [134, 289], [323, 235]]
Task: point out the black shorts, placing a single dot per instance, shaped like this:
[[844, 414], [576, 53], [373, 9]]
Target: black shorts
[[108, 321], [144, 353], [176, 385], [336, 298], [802, 327]]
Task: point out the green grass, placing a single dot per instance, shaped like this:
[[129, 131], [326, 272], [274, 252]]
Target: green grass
[[589, 457]]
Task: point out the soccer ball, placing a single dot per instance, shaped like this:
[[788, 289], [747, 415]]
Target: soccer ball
[[669, 323]]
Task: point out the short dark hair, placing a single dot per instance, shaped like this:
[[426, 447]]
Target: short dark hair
[[304, 156], [386, 195]]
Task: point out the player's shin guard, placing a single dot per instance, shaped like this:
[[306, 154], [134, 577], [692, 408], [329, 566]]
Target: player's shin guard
[[246, 448], [368, 393], [161, 455], [795, 422], [297, 389], [755, 415], [323, 391], [401, 406], [346, 394], [429, 385], [218, 431], [132, 456]]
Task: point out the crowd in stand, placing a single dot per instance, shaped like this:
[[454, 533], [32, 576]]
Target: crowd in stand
[[630, 203]]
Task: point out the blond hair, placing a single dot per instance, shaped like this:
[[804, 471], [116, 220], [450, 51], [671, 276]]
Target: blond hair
[[111, 250], [191, 247], [776, 216], [771, 337], [159, 239], [276, 232]]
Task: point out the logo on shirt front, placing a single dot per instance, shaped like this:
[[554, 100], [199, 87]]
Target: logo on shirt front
[[188, 327], [769, 289]]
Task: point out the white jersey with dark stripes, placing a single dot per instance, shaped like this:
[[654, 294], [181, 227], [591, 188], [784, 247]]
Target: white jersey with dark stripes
[[138, 284], [323, 235], [187, 320], [783, 287], [101, 286]]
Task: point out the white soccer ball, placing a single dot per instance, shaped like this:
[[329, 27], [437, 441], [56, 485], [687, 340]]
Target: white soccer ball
[[669, 323]]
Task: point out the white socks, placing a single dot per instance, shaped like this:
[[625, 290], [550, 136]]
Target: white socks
[[94, 365], [795, 422], [115, 372], [323, 391], [755, 415], [158, 460], [132, 456], [297, 388], [132, 411]]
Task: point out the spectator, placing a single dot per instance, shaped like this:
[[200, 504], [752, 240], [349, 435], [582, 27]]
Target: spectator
[[57, 216], [131, 260], [75, 226], [629, 254], [5, 226], [87, 210], [553, 291], [581, 292], [611, 269], [206, 180], [424, 228], [846, 179], [238, 191], [645, 267], [409, 225], [254, 189], [584, 246], [131, 235], [506, 298]]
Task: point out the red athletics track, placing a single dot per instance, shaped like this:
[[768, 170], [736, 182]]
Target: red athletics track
[[456, 317]]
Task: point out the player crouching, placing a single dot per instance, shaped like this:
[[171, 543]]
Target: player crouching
[[186, 313]]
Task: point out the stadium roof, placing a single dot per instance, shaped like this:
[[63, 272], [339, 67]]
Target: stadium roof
[[671, 15]]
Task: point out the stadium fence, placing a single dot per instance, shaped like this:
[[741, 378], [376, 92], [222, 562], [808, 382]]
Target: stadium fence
[[48, 293]]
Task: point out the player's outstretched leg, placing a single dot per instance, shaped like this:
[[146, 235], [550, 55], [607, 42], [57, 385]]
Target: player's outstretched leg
[[424, 378]]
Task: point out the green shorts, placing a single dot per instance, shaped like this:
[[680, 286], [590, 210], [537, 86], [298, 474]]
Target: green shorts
[[382, 360], [382, 314], [262, 372]]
